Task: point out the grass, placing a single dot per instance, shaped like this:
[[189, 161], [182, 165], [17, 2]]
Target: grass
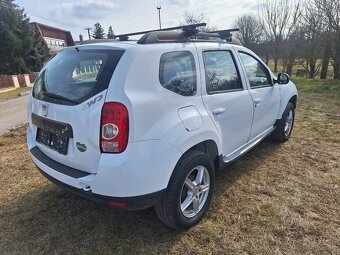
[[331, 88], [301, 66], [277, 199], [13, 93]]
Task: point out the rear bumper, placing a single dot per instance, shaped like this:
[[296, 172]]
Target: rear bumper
[[136, 178], [127, 203]]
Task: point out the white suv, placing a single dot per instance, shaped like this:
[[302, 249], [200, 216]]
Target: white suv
[[139, 124]]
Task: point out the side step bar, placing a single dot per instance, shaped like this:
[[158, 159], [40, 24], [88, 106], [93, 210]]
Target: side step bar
[[248, 146]]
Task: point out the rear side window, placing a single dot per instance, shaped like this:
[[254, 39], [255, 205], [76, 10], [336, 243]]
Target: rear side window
[[221, 72], [257, 73], [73, 76], [177, 72]]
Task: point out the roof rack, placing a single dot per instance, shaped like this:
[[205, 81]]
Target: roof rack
[[179, 34], [225, 34], [190, 30]]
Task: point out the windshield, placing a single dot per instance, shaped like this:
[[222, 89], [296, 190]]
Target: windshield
[[72, 75]]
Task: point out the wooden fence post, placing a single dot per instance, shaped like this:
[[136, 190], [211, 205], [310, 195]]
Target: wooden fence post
[[15, 81], [27, 80]]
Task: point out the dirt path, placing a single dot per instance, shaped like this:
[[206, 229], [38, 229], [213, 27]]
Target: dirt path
[[277, 199]]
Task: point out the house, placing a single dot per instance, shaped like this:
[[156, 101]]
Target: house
[[54, 38]]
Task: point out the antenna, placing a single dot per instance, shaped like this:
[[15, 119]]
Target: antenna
[[190, 30], [159, 16]]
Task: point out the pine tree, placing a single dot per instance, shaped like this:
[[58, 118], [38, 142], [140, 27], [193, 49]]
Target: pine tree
[[20, 51], [110, 33], [98, 31]]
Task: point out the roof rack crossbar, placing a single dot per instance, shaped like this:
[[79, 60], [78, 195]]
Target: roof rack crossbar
[[226, 33], [189, 29]]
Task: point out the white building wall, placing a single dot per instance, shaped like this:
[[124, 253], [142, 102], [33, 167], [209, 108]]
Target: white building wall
[[55, 44]]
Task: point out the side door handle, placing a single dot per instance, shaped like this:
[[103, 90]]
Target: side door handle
[[218, 111], [257, 101]]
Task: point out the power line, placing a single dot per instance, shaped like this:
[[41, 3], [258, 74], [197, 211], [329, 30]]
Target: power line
[[39, 15]]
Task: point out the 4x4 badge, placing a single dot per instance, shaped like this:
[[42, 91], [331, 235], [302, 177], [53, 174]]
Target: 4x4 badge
[[92, 102], [81, 147]]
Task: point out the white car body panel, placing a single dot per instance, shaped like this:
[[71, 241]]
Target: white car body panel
[[234, 124], [287, 92], [231, 112], [162, 124], [266, 108], [123, 175], [85, 124]]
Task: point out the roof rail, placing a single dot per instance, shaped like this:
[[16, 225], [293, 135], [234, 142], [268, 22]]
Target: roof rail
[[92, 41], [189, 30]]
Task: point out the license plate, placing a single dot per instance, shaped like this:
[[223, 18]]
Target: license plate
[[54, 141]]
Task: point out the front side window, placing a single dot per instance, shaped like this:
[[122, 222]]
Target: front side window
[[221, 73], [258, 74], [177, 72]]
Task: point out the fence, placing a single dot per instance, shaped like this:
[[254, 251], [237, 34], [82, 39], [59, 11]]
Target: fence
[[16, 81], [33, 76], [6, 81]]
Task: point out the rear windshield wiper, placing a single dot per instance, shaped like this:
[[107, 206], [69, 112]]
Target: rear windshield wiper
[[56, 96]]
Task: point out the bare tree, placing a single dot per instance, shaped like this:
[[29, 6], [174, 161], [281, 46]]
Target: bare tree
[[313, 28], [327, 53], [330, 9], [279, 20], [250, 30], [194, 18]]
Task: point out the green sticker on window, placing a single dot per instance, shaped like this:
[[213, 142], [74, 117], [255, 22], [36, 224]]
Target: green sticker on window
[[81, 147]]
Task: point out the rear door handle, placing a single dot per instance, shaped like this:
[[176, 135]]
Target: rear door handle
[[257, 101], [218, 111]]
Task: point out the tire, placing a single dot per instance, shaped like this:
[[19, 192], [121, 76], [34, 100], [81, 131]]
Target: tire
[[284, 126], [183, 187]]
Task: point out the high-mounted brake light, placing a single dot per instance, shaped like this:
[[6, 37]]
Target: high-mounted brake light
[[114, 131]]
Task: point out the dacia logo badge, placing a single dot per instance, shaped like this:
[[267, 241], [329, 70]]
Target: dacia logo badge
[[44, 110]]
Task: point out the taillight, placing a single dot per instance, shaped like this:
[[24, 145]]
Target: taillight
[[114, 130]]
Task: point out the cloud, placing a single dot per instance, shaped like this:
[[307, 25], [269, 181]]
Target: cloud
[[132, 15], [86, 9], [176, 2], [256, 7]]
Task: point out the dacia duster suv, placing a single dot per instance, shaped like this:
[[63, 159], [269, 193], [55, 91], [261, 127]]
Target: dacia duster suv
[[139, 124]]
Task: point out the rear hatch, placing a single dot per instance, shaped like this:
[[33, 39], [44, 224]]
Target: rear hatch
[[68, 96]]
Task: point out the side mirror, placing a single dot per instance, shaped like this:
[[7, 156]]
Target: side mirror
[[282, 78]]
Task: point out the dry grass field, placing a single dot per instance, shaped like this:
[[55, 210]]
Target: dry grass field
[[13, 93], [277, 199]]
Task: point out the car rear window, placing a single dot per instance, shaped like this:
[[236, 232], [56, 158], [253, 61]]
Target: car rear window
[[74, 75]]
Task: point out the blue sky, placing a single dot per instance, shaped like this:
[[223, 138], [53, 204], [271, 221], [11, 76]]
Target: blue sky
[[132, 15]]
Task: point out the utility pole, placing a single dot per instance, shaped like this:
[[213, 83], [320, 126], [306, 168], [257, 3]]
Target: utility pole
[[159, 16], [88, 31]]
